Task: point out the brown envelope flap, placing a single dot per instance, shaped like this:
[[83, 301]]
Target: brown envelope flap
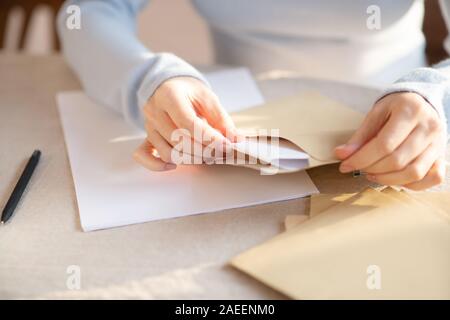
[[313, 122]]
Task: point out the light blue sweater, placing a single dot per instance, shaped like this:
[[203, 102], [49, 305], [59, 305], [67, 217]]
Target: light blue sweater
[[321, 38]]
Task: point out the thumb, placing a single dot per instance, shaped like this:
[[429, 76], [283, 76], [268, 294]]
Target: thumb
[[366, 131]]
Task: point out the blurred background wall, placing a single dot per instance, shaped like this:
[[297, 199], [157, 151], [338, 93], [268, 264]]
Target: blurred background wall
[[165, 25]]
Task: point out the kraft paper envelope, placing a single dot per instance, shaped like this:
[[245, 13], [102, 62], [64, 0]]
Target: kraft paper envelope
[[322, 202], [318, 203], [294, 219], [326, 201], [315, 123], [375, 245], [437, 200]]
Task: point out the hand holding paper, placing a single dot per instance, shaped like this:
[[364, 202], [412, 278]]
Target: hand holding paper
[[313, 123], [113, 190], [185, 104], [401, 142]]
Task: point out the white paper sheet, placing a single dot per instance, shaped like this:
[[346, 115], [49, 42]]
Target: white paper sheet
[[282, 154], [112, 190], [235, 88]]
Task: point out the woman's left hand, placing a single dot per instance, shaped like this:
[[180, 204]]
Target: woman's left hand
[[401, 142]]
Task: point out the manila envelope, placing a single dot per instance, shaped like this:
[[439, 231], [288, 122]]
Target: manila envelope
[[374, 245], [313, 122], [322, 202], [318, 204]]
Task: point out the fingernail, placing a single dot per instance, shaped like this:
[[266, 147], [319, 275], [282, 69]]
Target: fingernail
[[351, 147], [170, 166], [345, 168]]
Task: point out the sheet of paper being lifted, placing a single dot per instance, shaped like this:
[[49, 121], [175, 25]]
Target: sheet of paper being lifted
[[275, 155], [112, 190]]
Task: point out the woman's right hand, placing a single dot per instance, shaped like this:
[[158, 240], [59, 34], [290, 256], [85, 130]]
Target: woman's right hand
[[182, 103]]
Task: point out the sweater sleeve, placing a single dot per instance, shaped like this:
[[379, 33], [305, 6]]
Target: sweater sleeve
[[114, 67], [433, 83]]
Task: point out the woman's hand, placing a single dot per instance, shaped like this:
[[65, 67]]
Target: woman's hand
[[182, 103], [400, 142]]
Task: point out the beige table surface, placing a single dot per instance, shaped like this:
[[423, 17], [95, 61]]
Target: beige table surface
[[178, 258]]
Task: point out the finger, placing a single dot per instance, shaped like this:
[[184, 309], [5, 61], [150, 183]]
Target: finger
[[218, 117], [164, 125], [366, 131], [200, 130], [186, 151], [391, 135], [177, 139], [410, 149], [161, 145], [434, 177], [144, 156], [414, 172]]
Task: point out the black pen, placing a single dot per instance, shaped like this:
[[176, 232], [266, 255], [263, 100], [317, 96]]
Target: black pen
[[20, 186]]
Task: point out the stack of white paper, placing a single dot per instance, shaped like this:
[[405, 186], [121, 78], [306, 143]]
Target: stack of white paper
[[112, 190]]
